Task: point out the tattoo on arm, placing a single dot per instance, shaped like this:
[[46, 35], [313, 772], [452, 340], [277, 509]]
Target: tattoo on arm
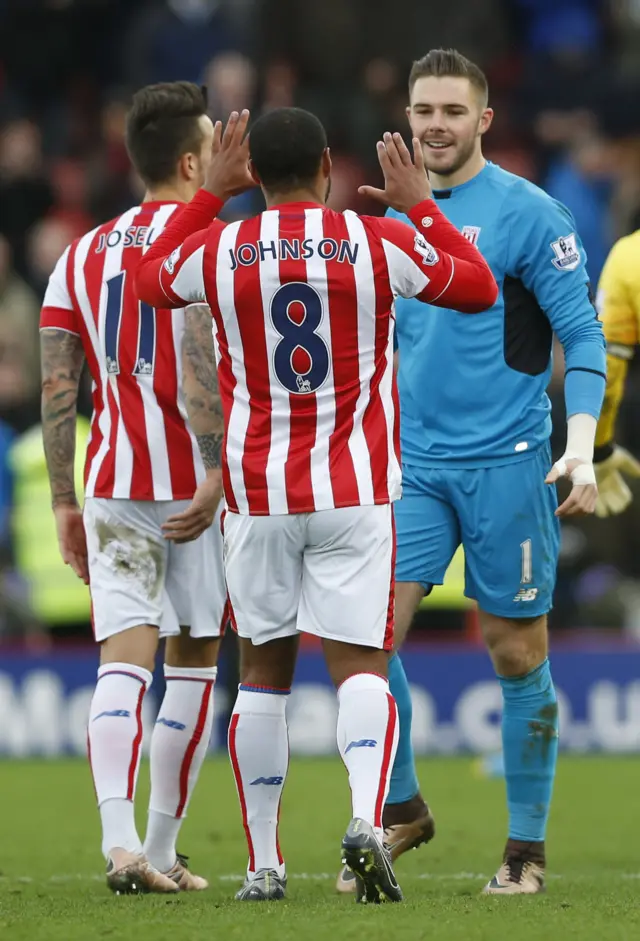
[[62, 358], [200, 384]]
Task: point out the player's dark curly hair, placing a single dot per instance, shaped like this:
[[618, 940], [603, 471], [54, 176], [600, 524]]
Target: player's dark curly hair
[[286, 147], [162, 125], [449, 62]]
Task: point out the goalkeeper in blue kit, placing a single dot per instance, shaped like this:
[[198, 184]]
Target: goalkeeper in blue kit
[[477, 470]]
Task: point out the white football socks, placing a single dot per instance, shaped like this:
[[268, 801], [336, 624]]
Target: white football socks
[[115, 745], [259, 751], [367, 740], [179, 746]]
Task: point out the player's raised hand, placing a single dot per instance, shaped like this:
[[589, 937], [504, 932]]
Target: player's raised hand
[[584, 492], [192, 522], [228, 172], [72, 538], [406, 182]]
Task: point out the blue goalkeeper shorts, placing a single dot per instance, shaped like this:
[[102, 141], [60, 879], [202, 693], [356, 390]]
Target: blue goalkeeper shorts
[[504, 518]]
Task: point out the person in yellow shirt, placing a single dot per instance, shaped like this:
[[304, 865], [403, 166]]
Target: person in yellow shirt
[[618, 303]]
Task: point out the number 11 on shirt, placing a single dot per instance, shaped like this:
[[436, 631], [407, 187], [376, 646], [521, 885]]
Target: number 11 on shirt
[[112, 320]]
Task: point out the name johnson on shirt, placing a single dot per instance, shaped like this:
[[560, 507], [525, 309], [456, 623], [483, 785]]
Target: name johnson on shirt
[[295, 249]]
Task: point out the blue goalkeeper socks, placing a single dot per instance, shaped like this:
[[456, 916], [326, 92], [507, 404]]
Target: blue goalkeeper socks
[[530, 743], [404, 781]]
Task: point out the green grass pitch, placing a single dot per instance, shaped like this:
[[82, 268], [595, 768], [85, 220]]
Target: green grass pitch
[[51, 887]]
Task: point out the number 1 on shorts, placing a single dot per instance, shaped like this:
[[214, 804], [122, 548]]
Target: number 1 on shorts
[[527, 573]]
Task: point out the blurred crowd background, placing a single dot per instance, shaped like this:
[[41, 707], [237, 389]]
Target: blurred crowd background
[[565, 86]]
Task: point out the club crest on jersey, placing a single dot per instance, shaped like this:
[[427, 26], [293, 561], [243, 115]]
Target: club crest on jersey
[[566, 252], [471, 233], [427, 252], [172, 260]]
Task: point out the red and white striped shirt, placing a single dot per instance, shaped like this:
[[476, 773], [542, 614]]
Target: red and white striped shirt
[[301, 299], [141, 447]]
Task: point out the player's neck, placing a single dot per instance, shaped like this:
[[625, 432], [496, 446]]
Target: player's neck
[[169, 193], [463, 175], [293, 196]]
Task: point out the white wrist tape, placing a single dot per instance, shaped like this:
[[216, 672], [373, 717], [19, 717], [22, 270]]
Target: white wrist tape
[[581, 435], [583, 475]]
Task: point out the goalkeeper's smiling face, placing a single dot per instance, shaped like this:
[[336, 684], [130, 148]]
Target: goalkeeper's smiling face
[[449, 116]]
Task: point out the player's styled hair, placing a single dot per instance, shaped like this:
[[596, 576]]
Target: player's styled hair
[[286, 147], [449, 62], [162, 125]]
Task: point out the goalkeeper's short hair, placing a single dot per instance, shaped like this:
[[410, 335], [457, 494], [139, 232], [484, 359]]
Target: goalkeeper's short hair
[[442, 63]]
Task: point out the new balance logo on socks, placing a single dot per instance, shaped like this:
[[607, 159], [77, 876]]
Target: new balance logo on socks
[[115, 713], [171, 723], [277, 779], [362, 743]]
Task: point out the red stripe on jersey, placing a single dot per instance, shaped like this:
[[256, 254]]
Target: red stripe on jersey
[[396, 418], [303, 408], [374, 422], [92, 273], [343, 313], [93, 269], [252, 332], [165, 387], [95, 436], [95, 439], [226, 379], [107, 473]]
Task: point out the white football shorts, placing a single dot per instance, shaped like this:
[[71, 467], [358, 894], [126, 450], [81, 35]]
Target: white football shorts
[[138, 577], [329, 573]]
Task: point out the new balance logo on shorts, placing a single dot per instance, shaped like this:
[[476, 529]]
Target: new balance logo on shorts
[[362, 743], [276, 779], [171, 723], [115, 713], [526, 594]]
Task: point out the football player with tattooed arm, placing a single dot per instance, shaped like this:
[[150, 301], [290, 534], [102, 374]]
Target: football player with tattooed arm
[[144, 543], [618, 302]]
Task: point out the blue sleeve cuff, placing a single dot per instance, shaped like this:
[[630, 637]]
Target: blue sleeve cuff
[[584, 391]]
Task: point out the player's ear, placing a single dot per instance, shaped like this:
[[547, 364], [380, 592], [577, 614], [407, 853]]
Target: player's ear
[[254, 172], [188, 166], [486, 119], [326, 163]]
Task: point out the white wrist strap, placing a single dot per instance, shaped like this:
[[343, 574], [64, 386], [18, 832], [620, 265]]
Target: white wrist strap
[[581, 435], [583, 475]]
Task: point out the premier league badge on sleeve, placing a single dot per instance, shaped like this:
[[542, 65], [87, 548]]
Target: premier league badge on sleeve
[[172, 260], [567, 255], [427, 251]]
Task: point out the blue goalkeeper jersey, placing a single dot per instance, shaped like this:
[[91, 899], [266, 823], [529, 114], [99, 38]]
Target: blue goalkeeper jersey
[[472, 387]]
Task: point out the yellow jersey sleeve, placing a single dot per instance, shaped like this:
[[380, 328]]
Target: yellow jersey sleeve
[[618, 299], [618, 303]]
